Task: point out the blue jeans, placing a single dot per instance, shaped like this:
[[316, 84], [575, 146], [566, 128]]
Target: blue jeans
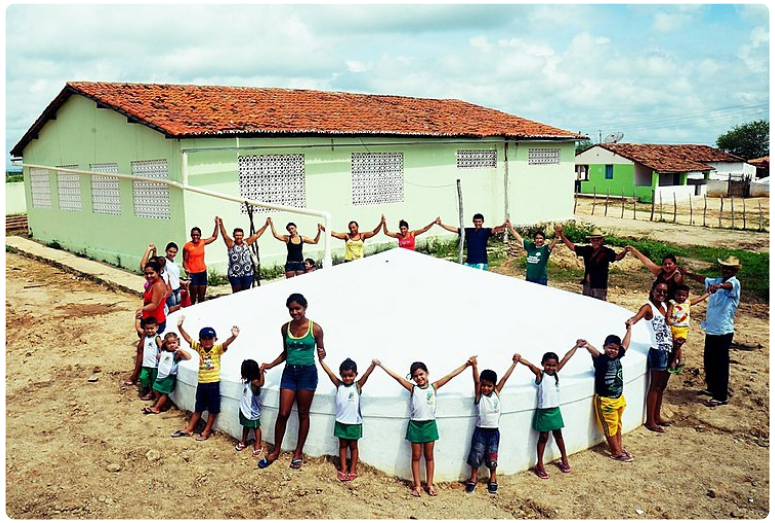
[[484, 448], [299, 377], [241, 281]]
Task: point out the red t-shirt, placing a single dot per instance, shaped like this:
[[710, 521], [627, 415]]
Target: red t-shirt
[[158, 312], [407, 242], [196, 257]]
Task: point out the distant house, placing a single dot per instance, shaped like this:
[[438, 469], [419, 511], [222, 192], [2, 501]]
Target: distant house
[[762, 166], [646, 170], [356, 156]]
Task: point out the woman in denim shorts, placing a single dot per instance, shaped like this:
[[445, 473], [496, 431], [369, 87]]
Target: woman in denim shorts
[[301, 339]]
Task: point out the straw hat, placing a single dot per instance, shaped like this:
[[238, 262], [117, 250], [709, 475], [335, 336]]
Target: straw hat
[[731, 261], [596, 233]]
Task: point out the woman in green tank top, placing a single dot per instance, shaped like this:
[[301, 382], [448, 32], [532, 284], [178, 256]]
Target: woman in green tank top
[[301, 337]]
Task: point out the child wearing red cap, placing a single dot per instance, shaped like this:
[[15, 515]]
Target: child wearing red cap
[[208, 390]]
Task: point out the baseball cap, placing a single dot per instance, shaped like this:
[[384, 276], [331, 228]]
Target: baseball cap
[[207, 332]]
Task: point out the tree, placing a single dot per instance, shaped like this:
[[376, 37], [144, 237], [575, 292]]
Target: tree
[[750, 140], [583, 145]]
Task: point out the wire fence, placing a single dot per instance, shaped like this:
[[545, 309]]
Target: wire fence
[[751, 214]]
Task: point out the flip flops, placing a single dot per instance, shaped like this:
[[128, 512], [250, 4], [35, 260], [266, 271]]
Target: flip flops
[[715, 403], [626, 458], [239, 447], [431, 490], [256, 453], [264, 462], [541, 473], [676, 370], [180, 434], [342, 476], [148, 410], [201, 437], [296, 463], [416, 491], [655, 429], [565, 469]]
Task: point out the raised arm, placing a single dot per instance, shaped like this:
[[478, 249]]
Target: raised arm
[[281, 237], [214, 237], [182, 354], [424, 229], [535, 370], [443, 381], [700, 299], [449, 228], [514, 232], [339, 235], [138, 325], [568, 356], [620, 256], [592, 351], [650, 265], [376, 229], [627, 337], [228, 341], [569, 244], [369, 370], [507, 375], [182, 331], [151, 250], [696, 277], [330, 373], [317, 237], [477, 383], [553, 243], [404, 383], [256, 235], [499, 228], [226, 239], [643, 312], [387, 232]]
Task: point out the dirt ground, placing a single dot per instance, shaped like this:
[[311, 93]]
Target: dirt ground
[[78, 447]]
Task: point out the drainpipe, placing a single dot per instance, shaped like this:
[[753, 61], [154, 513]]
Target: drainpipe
[[506, 178]]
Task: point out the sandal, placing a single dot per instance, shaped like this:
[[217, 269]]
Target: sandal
[[626, 458], [431, 490], [296, 463], [541, 473], [240, 447], [256, 452], [264, 462], [656, 428], [180, 434], [202, 437], [149, 410], [416, 491], [352, 476], [715, 403], [128, 383], [563, 467], [341, 476]]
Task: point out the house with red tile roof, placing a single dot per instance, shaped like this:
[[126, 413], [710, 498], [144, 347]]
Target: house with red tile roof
[[356, 156], [645, 171]]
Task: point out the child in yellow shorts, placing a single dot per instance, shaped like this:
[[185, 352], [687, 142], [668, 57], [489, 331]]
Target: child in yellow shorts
[[609, 387], [677, 316]]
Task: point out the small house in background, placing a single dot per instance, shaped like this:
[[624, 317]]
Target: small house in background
[[356, 156], [646, 171], [762, 166]]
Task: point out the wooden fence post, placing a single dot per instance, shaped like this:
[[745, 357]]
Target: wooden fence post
[[575, 201], [653, 200], [633, 204], [660, 207], [622, 202], [675, 207], [704, 209], [594, 199], [721, 211], [691, 214], [732, 200], [607, 195], [743, 213], [761, 223]]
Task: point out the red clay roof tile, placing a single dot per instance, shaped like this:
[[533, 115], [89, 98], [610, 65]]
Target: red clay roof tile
[[672, 158]]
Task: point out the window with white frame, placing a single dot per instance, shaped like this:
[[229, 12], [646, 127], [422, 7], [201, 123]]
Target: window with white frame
[[151, 199], [377, 178], [40, 186], [476, 159], [272, 178], [69, 189], [543, 155], [105, 198]]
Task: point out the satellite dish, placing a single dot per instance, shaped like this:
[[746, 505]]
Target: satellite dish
[[614, 138]]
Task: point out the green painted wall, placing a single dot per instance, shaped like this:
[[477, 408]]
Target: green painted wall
[[83, 135], [622, 182]]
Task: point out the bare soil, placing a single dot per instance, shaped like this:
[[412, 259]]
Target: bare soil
[[77, 445]]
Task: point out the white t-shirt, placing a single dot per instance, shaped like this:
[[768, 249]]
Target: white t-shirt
[[489, 411], [250, 404], [167, 364], [423, 403], [150, 351], [548, 391], [173, 271], [661, 338], [348, 405]]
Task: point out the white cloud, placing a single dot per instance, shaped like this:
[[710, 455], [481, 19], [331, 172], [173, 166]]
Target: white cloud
[[755, 53]]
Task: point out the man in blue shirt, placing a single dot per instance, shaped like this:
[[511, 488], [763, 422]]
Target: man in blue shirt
[[719, 328], [476, 240]]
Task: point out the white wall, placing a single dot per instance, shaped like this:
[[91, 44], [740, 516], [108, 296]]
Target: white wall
[[598, 155], [15, 201], [682, 192]]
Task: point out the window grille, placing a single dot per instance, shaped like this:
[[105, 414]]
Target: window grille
[[69, 189], [151, 199], [40, 185], [105, 196], [272, 178], [377, 178], [477, 159], [543, 156]]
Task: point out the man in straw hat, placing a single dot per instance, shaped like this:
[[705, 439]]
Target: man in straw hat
[[597, 258], [719, 328]]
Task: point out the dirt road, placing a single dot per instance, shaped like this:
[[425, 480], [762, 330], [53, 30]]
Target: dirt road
[[78, 447]]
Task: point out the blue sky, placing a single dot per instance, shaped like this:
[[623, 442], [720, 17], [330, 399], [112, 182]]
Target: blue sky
[[658, 73]]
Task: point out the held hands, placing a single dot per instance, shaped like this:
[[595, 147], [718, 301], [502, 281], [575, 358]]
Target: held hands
[[269, 220], [321, 353], [713, 288], [558, 228], [320, 227], [516, 358], [629, 322], [376, 362], [471, 362], [581, 343], [152, 247], [438, 220]]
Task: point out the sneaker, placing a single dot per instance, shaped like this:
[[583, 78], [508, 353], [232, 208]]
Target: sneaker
[[470, 486], [492, 488]]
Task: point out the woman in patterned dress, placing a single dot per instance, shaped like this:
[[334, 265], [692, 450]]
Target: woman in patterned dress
[[240, 271]]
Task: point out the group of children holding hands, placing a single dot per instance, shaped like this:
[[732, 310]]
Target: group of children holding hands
[[161, 358]]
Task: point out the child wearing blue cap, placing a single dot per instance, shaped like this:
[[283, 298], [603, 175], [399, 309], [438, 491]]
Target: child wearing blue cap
[[208, 390]]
